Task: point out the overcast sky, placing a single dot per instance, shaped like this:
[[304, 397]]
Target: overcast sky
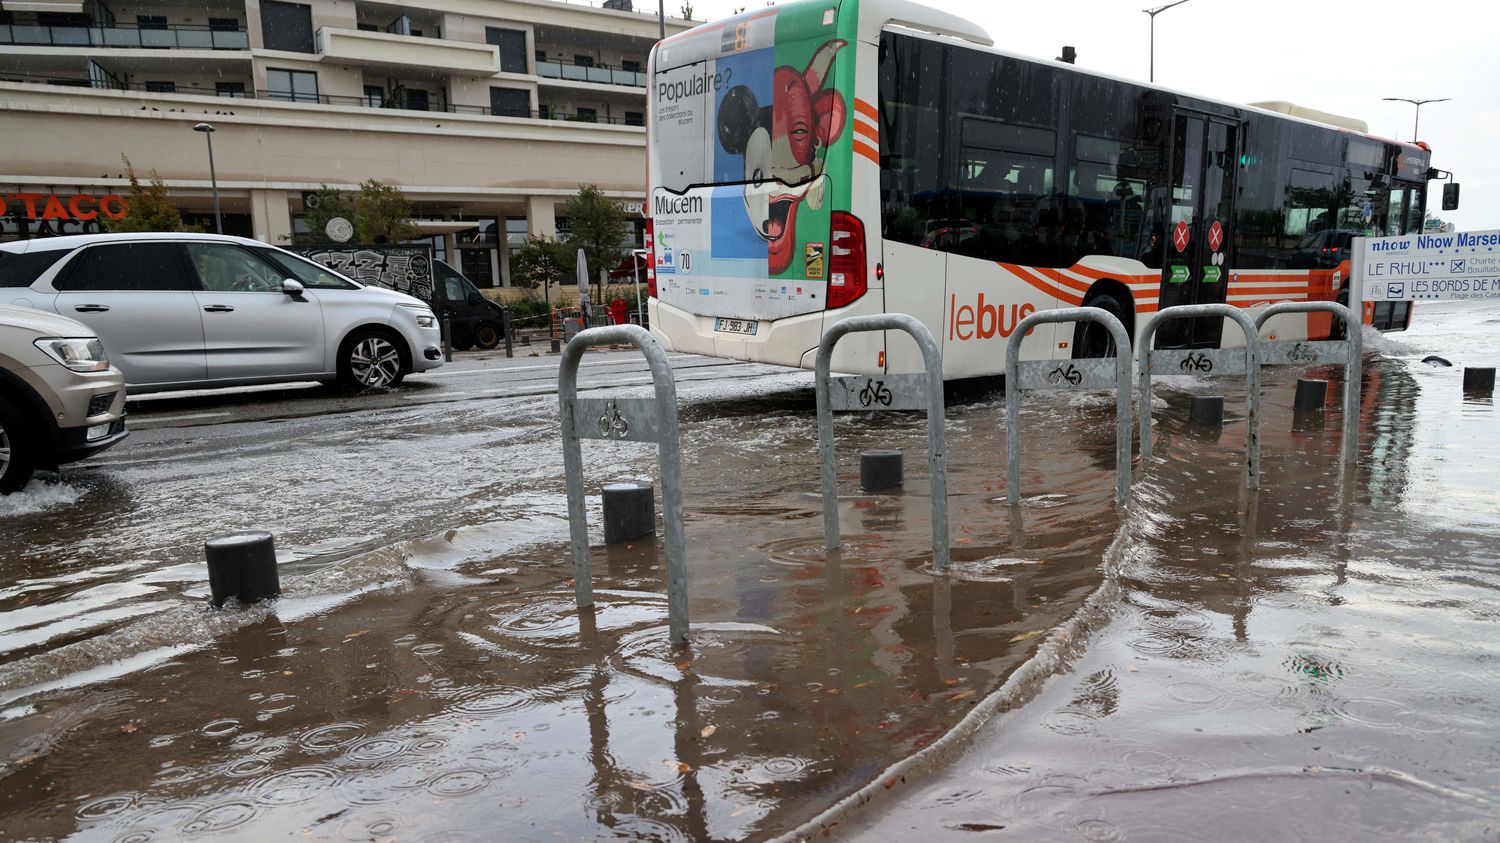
[[1332, 55]]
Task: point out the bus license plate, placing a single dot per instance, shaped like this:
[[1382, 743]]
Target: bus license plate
[[736, 326]]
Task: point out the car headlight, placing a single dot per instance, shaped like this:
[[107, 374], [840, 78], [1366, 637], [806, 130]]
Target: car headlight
[[426, 320], [78, 354]]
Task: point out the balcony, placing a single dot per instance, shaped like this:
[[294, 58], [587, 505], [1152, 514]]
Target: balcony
[[165, 37], [598, 74], [407, 51]]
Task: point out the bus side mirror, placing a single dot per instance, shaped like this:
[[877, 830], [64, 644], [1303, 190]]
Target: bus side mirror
[[1450, 196]]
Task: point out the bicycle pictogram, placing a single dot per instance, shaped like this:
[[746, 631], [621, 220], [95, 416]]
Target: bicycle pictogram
[[1196, 363], [1057, 376], [612, 425], [1301, 353], [875, 392]]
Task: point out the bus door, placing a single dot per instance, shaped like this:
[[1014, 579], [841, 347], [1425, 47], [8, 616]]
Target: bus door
[[1197, 238]]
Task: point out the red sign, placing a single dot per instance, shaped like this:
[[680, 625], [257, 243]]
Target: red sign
[[1182, 235], [50, 206], [1215, 236]]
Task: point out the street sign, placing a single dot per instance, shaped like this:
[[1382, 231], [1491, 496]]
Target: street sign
[[1454, 266], [882, 392], [339, 230]]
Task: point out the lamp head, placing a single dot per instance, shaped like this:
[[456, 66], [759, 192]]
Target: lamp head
[[204, 128]]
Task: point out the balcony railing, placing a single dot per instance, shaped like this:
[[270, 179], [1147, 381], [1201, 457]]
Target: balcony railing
[[322, 99], [601, 74], [174, 36]]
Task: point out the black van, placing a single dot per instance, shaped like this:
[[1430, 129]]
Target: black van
[[475, 320]]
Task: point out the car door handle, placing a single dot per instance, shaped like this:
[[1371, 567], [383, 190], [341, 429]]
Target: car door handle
[[91, 308], [218, 308]]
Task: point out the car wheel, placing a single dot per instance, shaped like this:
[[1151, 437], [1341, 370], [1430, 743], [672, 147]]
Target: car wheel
[[371, 360], [487, 335], [16, 450], [1091, 339]]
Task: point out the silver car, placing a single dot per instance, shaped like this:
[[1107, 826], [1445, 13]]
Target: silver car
[[60, 400], [180, 311]]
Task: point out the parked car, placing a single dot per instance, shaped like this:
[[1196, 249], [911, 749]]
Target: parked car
[[60, 399], [180, 311], [473, 318]]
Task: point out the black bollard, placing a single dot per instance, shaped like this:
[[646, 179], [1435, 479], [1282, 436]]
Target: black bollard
[[447, 340], [1312, 394], [242, 566], [629, 511], [509, 328], [1479, 381], [1207, 410], [879, 469], [556, 345]]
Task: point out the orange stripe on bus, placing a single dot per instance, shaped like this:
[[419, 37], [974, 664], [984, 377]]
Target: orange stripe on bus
[[862, 148], [1040, 283], [867, 130], [864, 107]]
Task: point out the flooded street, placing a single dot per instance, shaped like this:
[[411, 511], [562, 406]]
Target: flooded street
[[1317, 660]]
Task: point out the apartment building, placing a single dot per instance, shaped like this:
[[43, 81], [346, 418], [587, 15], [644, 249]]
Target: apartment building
[[487, 113]]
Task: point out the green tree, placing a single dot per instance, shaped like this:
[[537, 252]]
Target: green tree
[[149, 209], [597, 226], [379, 213], [541, 261]]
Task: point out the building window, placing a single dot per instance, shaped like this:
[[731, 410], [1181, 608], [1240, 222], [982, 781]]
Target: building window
[[635, 118], [631, 65], [230, 89], [510, 102], [150, 21], [588, 115], [374, 96], [367, 27], [582, 60], [543, 111], [414, 99], [292, 85], [541, 55], [162, 87], [224, 24], [287, 26], [512, 44]]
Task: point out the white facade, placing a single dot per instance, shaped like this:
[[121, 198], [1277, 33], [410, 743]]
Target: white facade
[[489, 112]]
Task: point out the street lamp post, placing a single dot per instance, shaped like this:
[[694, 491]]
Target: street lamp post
[[1153, 13], [1416, 121], [208, 132]]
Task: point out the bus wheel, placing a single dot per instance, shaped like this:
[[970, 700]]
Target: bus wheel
[[1091, 339], [487, 335], [1338, 330]]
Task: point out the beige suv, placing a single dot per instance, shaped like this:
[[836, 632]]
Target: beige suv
[[60, 399]]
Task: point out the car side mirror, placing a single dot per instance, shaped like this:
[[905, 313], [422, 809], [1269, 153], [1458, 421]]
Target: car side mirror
[[293, 288], [475, 298]]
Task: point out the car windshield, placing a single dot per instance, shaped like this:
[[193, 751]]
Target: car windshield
[[312, 275]]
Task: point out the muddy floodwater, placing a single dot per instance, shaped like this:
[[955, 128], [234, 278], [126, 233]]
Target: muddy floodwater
[[1318, 659]]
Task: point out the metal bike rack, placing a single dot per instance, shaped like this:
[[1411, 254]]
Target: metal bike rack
[[845, 394], [631, 420], [1349, 352], [1206, 361], [1068, 374]]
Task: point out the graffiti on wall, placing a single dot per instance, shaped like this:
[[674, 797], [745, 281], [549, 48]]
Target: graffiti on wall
[[406, 269]]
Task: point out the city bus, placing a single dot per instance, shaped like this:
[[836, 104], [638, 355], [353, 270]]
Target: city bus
[[823, 159]]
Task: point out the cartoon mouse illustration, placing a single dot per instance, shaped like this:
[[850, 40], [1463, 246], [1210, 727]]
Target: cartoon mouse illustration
[[780, 143]]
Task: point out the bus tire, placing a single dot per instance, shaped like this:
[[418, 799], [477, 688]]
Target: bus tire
[[486, 335], [1091, 339], [1337, 330]]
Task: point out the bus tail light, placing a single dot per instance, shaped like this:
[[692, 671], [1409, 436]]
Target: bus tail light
[[846, 265], [650, 258]]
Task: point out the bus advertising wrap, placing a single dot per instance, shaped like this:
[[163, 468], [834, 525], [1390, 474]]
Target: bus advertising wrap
[[752, 156]]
